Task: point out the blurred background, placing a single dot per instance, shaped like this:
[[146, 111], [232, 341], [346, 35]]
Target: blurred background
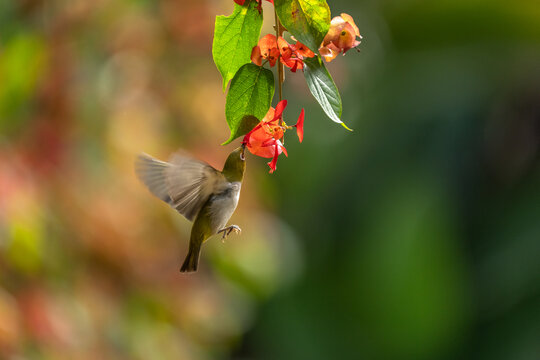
[[417, 236]]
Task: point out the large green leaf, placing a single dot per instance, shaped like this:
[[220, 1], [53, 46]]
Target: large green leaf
[[248, 99], [322, 87], [234, 38], [307, 20]]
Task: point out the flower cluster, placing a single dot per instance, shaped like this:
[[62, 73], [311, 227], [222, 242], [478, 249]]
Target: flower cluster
[[273, 49], [265, 138], [341, 37]]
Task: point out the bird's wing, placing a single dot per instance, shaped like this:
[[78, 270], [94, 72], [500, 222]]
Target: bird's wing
[[152, 173], [191, 182], [183, 182]]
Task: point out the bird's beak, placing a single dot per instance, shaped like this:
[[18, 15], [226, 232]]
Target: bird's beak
[[242, 153]]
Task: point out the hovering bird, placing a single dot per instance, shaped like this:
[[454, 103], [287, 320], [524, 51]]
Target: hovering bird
[[198, 191]]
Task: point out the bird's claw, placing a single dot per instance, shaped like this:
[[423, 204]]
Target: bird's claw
[[226, 231]]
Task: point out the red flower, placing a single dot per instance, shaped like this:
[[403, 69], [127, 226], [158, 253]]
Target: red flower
[[341, 37], [285, 49], [261, 137], [257, 140], [289, 58], [272, 49], [264, 139], [302, 51]]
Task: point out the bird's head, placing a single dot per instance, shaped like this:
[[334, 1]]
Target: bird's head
[[235, 165]]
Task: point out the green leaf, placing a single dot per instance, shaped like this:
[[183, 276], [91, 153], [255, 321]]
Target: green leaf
[[234, 38], [248, 99], [322, 87], [307, 20]]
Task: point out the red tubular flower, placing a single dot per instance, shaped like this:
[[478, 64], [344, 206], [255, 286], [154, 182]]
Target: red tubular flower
[[264, 139], [341, 37], [268, 130], [259, 140]]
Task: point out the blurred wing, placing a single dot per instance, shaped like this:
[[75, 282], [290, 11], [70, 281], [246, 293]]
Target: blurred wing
[[191, 182], [184, 183], [152, 173]]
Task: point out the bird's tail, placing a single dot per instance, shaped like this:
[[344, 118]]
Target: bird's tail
[[192, 259]]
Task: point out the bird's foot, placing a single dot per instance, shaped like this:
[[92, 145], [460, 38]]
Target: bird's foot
[[226, 231]]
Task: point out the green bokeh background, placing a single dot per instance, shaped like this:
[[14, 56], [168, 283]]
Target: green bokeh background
[[417, 236]]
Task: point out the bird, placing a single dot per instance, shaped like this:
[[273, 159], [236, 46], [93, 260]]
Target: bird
[[199, 192]]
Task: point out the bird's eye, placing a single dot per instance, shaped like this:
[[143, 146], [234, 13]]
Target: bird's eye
[[242, 156]]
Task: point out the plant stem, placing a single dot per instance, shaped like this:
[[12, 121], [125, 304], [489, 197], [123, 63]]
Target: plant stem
[[281, 74]]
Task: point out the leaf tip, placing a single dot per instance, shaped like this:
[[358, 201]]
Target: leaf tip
[[346, 127], [228, 141]]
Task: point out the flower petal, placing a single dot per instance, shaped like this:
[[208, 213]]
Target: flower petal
[[273, 164], [256, 56], [273, 56], [284, 48], [281, 148], [300, 126], [336, 25], [293, 64], [346, 38], [255, 147], [302, 50], [269, 142], [329, 52], [261, 140], [348, 18], [249, 134], [279, 109], [267, 43]]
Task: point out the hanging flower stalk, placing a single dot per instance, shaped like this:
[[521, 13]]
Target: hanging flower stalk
[[246, 61]]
